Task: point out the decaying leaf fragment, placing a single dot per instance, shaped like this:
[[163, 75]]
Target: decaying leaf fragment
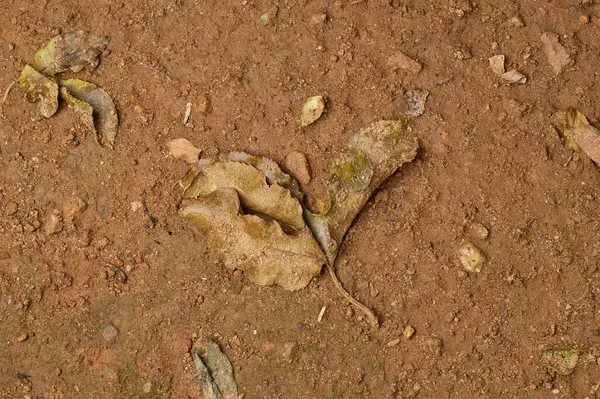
[[510, 77], [557, 55], [106, 120], [40, 91], [83, 109], [183, 149], [215, 371], [255, 192], [254, 243], [561, 361], [72, 51], [312, 110], [580, 135], [371, 156]]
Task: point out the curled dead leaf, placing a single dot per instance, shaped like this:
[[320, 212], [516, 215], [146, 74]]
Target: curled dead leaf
[[215, 371], [106, 120], [256, 194], [183, 149], [40, 91], [83, 109], [371, 156], [257, 245], [312, 110], [72, 51]]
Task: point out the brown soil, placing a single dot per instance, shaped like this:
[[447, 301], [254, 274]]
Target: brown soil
[[490, 155]]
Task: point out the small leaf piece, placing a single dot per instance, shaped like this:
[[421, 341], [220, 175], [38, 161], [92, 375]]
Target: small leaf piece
[[557, 55], [312, 110], [183, 149], [256, 195], [41, 93], [83, 109], [561, 361], [372, 155], [72, 51], [258, 246], [106, 119], [580, 135], [215, 371]]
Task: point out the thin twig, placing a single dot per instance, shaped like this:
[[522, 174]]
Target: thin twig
[[368, 312], [7, 92]]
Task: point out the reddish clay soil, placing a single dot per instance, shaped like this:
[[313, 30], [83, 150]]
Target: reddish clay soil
[[490, 154]]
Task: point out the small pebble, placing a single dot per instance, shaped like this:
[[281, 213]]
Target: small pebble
[[11, 46], [11, 208], [54, 223], [57, 371], [23, 337], [471, 258], [297, 164], [147, 387], [478, 230], [517, 22], [317, 19], [584, 19], [409, 331], [110, 333]]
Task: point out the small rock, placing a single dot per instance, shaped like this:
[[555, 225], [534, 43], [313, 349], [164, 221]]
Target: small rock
[[477, 230], [317, 19], [110, 333], [73, 207], [22, 337], [136, 206], [297, 164], [584, 19], [497, 64], [463, 53], [416, 387], [517, 22], [312, 110], [57, 371], [147, 388], [471, 258], [401, 61], [268, 346], [287, 351], [393, 343], [416, 101], [204, 104], [100, 242], [11, 46], [54, 223], [409, 331], [11, 208]]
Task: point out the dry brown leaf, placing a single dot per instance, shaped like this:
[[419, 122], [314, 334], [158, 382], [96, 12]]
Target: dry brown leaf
[[106, 119], [557, 55], [580, 135], [183, 149], [40, 91], [72, 51], [215, 371], [83, 109], [256, 194], [258, 246]]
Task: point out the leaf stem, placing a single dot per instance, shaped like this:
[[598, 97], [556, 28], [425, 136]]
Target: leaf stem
[[368, 312]]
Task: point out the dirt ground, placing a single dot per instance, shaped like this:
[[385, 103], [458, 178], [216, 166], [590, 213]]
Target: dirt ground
[[490, 155]]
